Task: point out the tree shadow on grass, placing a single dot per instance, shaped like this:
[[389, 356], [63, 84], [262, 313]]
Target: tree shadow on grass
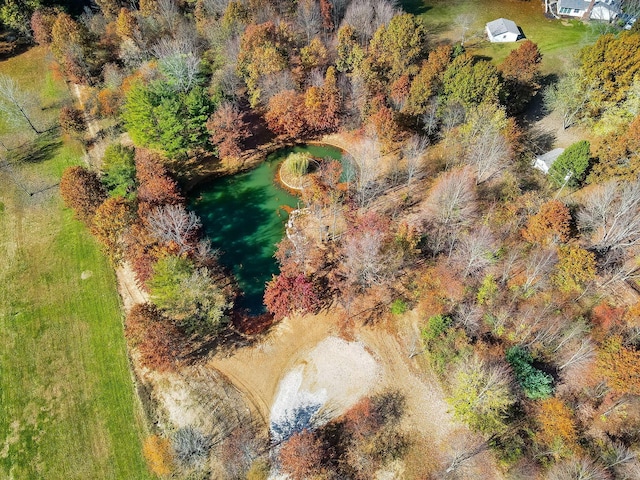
[[40, 149]]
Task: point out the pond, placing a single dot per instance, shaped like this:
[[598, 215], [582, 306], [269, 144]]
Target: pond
[[244, 216]]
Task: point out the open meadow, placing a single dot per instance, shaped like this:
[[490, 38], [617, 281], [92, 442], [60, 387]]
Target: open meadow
[[67, 404], [558, 40]]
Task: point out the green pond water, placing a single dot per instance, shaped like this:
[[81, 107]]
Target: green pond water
[[243, 217]]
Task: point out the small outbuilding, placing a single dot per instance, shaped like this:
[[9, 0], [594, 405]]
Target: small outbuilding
[[544, 162], [502, 30]]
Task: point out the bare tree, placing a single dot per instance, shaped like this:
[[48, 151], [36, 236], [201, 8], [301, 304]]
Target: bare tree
[[15, 103], [468, 315], [168, 13], [308, 18], [367, 157], [487, 152], [191, 446], [474, 251], [274, 83], [173, 224], [366, 16], [464, 22], [413, 153], [612, 214], [179, 59], [583, 351], [430, 118], [536, 269], [577, 469]]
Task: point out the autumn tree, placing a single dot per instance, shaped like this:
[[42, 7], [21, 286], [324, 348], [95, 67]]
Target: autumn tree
[[82, 191], [481, 396], [71, 47], [551, 225], [620, 366], [285, 295], [610, 65], [155, 338], [188, 294], [72, 121], [398, 47], [556, 424], [521, 73], [472, 82], [571, 166], [286, 114], [262, 52], [301, 456], [428, 82], [110, 223], [155, 186], [576, 267], [349, 51], [42, 22], [618, 155], [577, 468], [228, 130]]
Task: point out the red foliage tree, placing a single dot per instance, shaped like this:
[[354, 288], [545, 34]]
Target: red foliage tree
[[286, 114], [155, 186], [82, 191], [156, 339], [228, 130], [301, 455], [287, 294]]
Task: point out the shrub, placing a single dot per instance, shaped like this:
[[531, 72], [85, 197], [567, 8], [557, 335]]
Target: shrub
[[157, 452], [301, 455], [574, 161], [191, 446], [398, 306], [82, 191], [444, 343], [535, 383]]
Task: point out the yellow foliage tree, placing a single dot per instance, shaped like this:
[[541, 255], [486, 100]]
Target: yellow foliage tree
[[576, 266], [557, 428]]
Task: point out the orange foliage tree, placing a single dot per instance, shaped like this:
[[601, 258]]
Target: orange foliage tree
[[111, 221], [228, 130], [549, 225], [556, 424], [82, 191], [620, 366], [286, 114]]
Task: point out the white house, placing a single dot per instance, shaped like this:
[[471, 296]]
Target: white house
[[502, 30], [606, 10], [544, 162]]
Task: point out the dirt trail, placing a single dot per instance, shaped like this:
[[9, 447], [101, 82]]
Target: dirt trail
[[130, 291]]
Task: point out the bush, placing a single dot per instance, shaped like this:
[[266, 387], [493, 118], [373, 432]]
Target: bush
[[398, 306], [574, 161], [444, 343], [535, 383], [157, 452], [191, 446], [82, 191]]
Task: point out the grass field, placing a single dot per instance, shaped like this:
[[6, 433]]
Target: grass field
[[67, 404], [558, 40]]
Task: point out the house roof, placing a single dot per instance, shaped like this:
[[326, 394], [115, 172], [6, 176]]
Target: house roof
[[544, 162], [502, 25], [579, 4]]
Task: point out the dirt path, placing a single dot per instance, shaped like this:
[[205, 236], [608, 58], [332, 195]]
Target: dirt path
[[130, 291]]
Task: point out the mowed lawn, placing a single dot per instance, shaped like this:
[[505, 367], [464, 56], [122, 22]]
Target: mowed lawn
[[558, 40], [67, 403]]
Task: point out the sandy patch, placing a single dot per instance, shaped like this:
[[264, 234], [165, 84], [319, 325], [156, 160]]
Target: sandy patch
[[323, 384]]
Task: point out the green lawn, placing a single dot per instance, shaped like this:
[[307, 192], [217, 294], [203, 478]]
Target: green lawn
[[67, 404], [558, 41]]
